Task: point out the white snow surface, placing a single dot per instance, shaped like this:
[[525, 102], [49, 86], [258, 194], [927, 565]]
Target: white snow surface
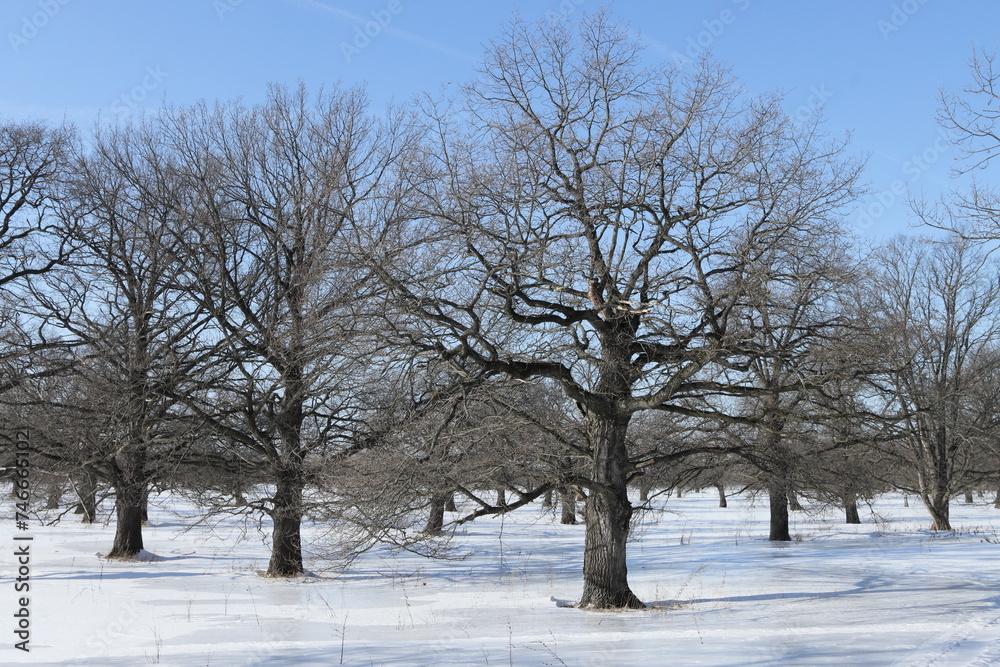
[[887, 592]]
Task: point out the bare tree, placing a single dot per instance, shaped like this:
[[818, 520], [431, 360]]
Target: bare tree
[[33, 164], [583, 220], [33, 161], [135, 335], [792, 313], [971, 116], [938, 306], [272, 197]]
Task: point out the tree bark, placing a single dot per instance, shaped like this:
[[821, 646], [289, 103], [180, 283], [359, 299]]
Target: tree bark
[[53, 497], [968, 497], [87, 492], [608, 513], [449, 502], [435, 519], [940, 513], [722, 495], [938, 498], [547, 499], [567, 503], [778, 495], [793, 502], [851, 511], [286, 539], [128, 524], [130, 489], [145, 507]]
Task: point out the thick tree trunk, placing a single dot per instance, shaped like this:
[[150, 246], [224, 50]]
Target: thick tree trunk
[[968, 497], [643, 493], [128, 524], [608, 513], [547, 499], [722, 495], [851, 511], [435, 519], [940, 512], [286, 539], [130, 489], [778, 496], [567, 503], [501, 498], [449, 502]]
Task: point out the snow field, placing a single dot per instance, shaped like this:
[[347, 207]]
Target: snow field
[[887, 592]]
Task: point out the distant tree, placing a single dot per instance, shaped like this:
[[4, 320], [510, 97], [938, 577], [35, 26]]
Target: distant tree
[[793, 311], [937, 307]]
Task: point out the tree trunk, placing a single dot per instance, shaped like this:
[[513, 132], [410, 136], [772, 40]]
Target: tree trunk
[[940, 512], [937, 498], [778, 496], [286, 539], [906, 500], [643, 493], [567, 501], [128, 524], [130, 489], [435, 520], [996, 502], [449, 502], [608, 513], [968, 497], [501, 498], [793, 502], [145, 507], [851, 511], [722, 495], [87, 492], [547, 499], [53, 497]]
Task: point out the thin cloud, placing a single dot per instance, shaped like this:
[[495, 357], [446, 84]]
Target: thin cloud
[[358, 19]]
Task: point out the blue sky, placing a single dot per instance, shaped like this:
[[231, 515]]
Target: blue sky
[[875, 65]]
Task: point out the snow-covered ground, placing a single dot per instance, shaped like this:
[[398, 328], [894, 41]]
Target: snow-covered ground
[[884, 593]]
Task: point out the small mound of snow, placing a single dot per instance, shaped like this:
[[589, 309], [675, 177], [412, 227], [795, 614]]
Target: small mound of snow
[[142, 557]]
